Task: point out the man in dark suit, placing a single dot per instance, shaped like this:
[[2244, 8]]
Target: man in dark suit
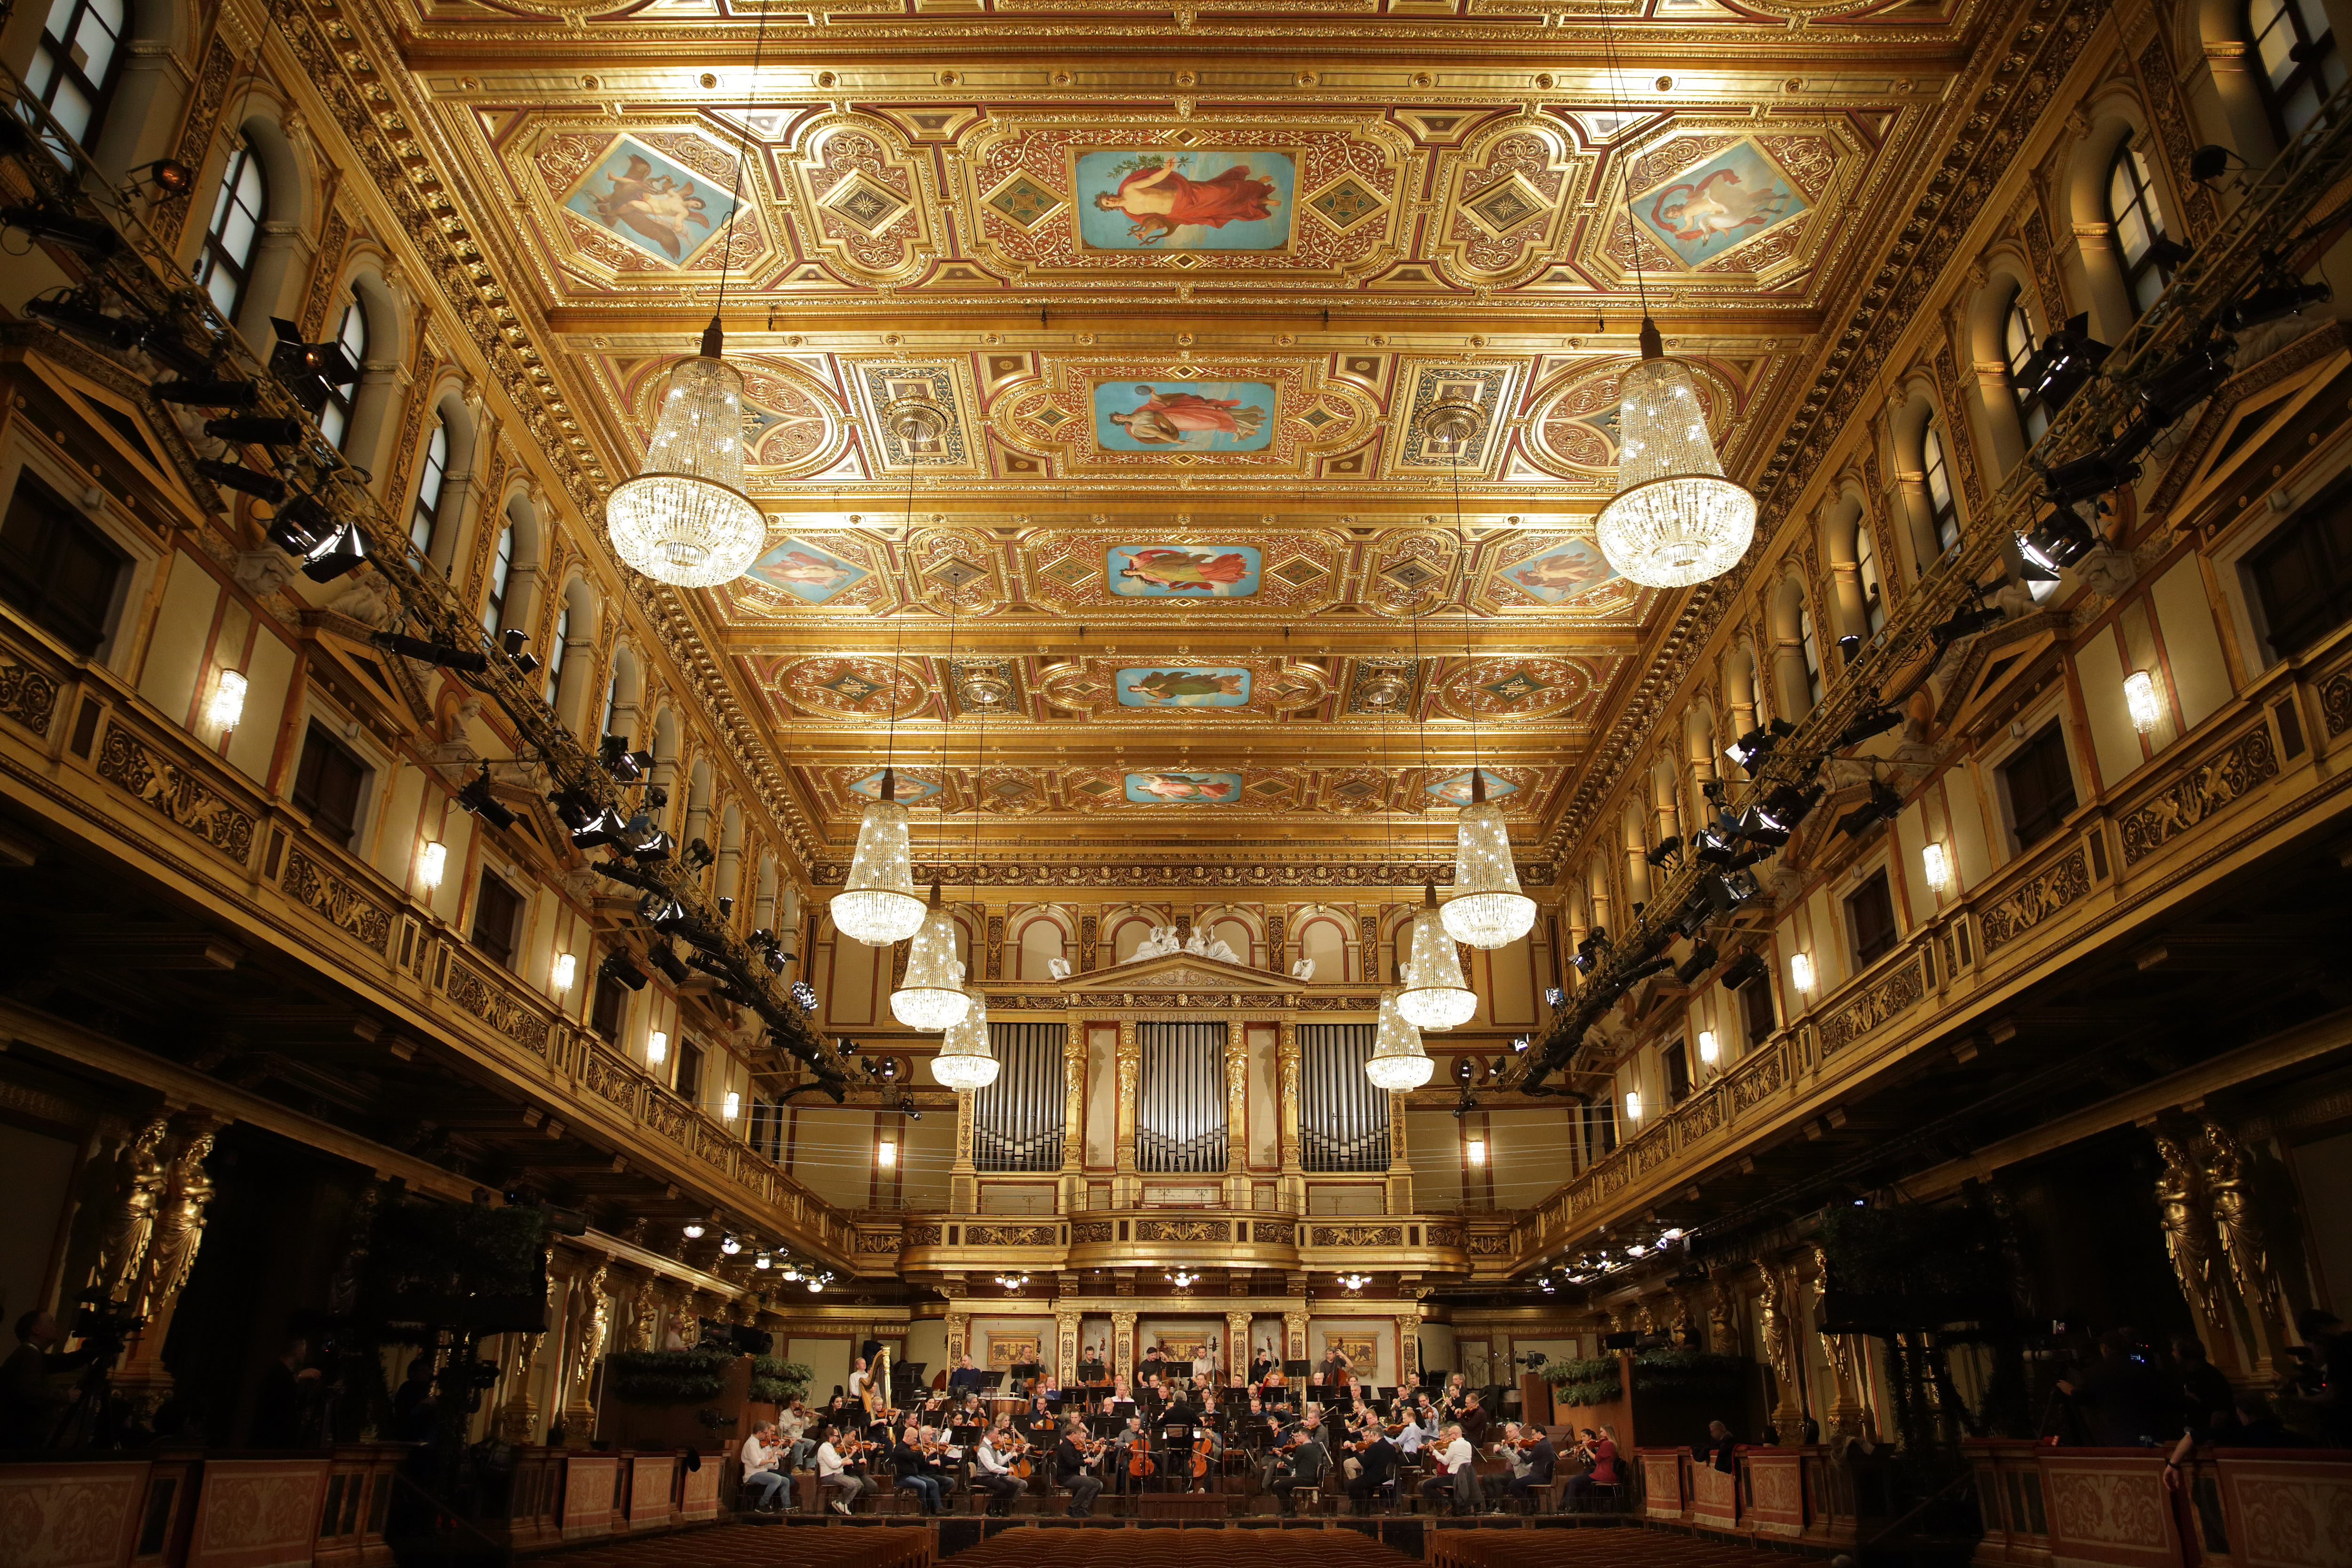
[[1376, 1467], [965, 1378], [1070, 1470], [1721, 1450], [1308, 1462], [1539, 1458]]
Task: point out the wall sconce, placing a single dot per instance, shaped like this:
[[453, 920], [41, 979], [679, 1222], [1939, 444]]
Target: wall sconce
[[731, 1246], [1800, 970], [432, 859], [657, 1048], [1706, 1046], [565, 967], [732, 1107], [1938, 867], [692, 1230], [228, 699], [1475, 1149], [1633, 1105], [886, 1154], [2139, 696]]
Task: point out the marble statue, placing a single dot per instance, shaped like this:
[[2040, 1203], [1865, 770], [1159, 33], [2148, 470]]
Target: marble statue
[[1303, 970]]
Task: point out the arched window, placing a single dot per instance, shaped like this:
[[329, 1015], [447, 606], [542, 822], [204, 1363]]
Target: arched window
[[76, 63], [611, 696], [555, 647], [335, 414], [1808, 645], [2138, 226], [2300, 64], [2017, 348], [494, 608], [1942, 510], [226, 258], [1866, 572], [431, 476]]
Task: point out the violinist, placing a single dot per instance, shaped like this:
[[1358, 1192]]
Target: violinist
[[1450, 1402], [1072, 1456], [839, 1489], [1409, 1433], [1038, 1424], [1530, 1458], [911, 1460], [1376, 1469], [1602, 1447], [1474, 1419], [1452, 1469], [1300, 1463], [992, 1468], [1131, 1451]]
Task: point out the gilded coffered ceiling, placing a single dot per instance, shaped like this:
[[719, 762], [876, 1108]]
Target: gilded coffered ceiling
[[1181, 286]]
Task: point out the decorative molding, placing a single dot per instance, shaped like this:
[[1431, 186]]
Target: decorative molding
[[2199, 794], [176, 794], [1894, 994], [487, 999], [27, 695], [317, 888], [2035, 901]]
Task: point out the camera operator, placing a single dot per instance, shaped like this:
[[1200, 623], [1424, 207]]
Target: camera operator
[[28, 1406]]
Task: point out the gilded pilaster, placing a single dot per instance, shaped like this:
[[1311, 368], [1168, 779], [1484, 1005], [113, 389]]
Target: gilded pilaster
[[958, 1327], [1130, 1072], [587, 1316], [1288, 1057], [1236, 1111], [1408, 1325], [1073, 1113], [1122, 1344], [962, 1190], [1237, 1348], [1065, 1348]]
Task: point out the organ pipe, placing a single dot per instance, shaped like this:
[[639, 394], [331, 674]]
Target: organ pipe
[[1179, 1123], [1343, 1118], [1016, 1122]]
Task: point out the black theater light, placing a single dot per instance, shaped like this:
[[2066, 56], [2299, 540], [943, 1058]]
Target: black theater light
[[1868, 724], [77, 314], [309, 371], [618, 966], [237, 476], [2279, 296], [476, 798], [340, 555], [257, 429], [206, 394], [1882, 805], [91, 236], [471, 661]]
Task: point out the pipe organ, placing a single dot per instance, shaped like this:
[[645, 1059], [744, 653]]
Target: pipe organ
[[1181, 1103], [1343, 1119], [1017, 1119]]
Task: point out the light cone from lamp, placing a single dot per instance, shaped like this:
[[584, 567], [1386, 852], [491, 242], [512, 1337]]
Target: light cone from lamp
[[930, 995], [1675, 520], [1487, 910], [965, 1060], [1397, 1060], [685, 519], [1434, 997], [879, 905]]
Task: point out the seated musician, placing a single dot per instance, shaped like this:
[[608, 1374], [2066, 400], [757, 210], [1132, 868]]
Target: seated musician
[[1261, 1363], [1473, 1418], [1411, 1434], [1602, 1447], [1450, 1402], [1039, 1414], [1376, 1469], [1452, 1471], [966, 1377], [1301, 1464], [1122, 1403], [1132, 1439], [913, 1468], [991, 1469], [835, 1482], [1070, 1469], [1532, 1459]]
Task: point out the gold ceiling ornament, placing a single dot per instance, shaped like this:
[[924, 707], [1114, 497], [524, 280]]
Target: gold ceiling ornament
[[966, 1061], [930, 995], [683, 520], [1433, 995], [1488, 911], [1384, 691], [982, 690], [1399, 1061], [920, 425], [1675, 520], [1450, 426]]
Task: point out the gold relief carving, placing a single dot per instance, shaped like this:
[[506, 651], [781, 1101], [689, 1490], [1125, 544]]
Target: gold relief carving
[[1273, 1233], [1757, 1078], [2249, 762], [1891, 996], [2336, 702], [1959, 440], [610, 1077], [922, 1235], [485, 999], [344, 906], [2028, 906], [878, 1241], [129, 1222], [1358, 1236], [1089, 1231], [1489, 1244], [178, 795], [1507, 213], [326, 265], [2191, 1239], [1192, 874], [2122, 1506], [204, 102], [861, 199], [1009, 1235], [1183, 1230], [179, 1229], [27, 695], [1444, 1235], [2228, 1182], [2160, 91]]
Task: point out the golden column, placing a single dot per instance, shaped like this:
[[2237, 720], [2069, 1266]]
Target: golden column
[[1073, 1115], [1065, 1349], [1131, 1073], [1236, 1113], [1122, 1344], [1293, 1187], [1237, 1349], [1408, 1347], [1399, 1164], [1294, 1335], [963, 1189]]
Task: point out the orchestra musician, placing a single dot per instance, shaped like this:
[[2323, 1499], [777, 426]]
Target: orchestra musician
[[1601, 1448], [857, 1378], [1073, 1457], [1300, 1463], [1337, 1369], [839, 1489], [991, 1468], [1450, 1401], [1120, 1405], [1132, 1439], [910, 1460], [966, 1377], [1261, 1362], [1532, 1459], [1453, 1471], [1473, 1419], [1376, 1468]]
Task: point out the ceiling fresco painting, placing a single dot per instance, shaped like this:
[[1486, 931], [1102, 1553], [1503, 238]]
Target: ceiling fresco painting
[[1188, 525]]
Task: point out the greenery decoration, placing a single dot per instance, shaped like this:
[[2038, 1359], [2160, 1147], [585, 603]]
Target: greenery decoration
[[775, 1381], [1685, 1374], [1592, 1381], [693, 1377], [1910, 1249]]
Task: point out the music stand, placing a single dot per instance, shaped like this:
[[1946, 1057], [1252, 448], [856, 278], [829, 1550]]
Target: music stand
[[1093, 1372], [1027, 1369], [1299, 1369]]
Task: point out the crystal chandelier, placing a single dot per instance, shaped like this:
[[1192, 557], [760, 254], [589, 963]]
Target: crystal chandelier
[[1487, 910], [1675, 520], [930, 995], [1434, 997], [965, 1061], [685, 519], [1397, 1061], [880, 906]]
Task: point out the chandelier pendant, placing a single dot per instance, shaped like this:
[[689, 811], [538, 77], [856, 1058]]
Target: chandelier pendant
[[1487, 910], [879, 905], [930, 995], [683, 520], [1397, 1061], [1434, 997], [966, 1060], [1675, 520]]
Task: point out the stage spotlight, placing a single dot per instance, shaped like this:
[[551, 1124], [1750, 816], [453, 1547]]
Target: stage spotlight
[[1882, 804], [656, 845], [472, 661], [1788, 805], [1758, 743], [309, 371], [625, 765], [298, 524], [1964, 624], [262, 429], [206, 394], [2210, 163], [476, 798], [1701, 959], [1849, 646], [618, 966], [340, 555], [2169, 253], [672, 967], [698, 853], [2067, 359], [2283, 296], [1868, 724], [2057, 541], [2187, 380], [76, 314], [91, 236], [2086, 478], [513, 641], [237, 476], [168, 175], [1747, 966], [605, 827], [1667, 848]]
